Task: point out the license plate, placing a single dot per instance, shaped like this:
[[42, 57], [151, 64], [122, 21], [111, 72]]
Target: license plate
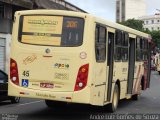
[[46, 85]]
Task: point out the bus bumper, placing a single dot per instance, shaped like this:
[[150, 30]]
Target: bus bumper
[[72, 97]]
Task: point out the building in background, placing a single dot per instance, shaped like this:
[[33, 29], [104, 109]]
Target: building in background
[[128, 9], [7, 10], [55, 4], [151, 22]]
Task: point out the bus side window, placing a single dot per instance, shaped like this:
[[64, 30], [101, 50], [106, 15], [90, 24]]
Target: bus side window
[[141, 43], [124, 50], [100, 45], [138, 43], [118, 54], [138, 49], [146, 44], [145, 49], [118, 40], [118, 46]]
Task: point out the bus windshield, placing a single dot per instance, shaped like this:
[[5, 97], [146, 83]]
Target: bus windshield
[[58, 31]]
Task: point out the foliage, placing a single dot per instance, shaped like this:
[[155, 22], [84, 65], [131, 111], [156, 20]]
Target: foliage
[[132, 23], [155, 36]]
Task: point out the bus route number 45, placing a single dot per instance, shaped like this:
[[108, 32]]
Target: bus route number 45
[[26, 73]]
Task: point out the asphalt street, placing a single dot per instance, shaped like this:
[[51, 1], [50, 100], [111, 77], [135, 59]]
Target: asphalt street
[[35, 109]]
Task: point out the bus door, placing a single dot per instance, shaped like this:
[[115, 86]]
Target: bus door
[[110, 58], [131, 64], [147, 66], [100, 66]]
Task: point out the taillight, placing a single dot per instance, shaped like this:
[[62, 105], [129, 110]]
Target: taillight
[[14, 72], [82, 77]]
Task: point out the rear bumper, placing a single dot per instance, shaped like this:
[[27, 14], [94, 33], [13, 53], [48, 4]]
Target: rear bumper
[[82, 96]]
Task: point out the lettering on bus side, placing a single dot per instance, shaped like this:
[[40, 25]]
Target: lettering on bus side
[[61, 76], [42, 22], [45, 95], [124, 70]]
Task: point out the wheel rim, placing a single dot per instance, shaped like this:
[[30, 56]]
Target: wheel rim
[[17, 99], [115, 99]]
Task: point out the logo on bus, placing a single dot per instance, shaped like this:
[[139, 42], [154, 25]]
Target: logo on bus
[[25, 83], [61, 66], [29, 59]]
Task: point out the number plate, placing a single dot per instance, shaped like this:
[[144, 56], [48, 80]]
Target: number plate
[[46, 85]]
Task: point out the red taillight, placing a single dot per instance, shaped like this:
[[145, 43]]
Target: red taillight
[[82, 77], [14, 72]]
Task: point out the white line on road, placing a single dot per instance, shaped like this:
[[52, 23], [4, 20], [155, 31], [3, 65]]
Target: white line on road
[[30, 103]]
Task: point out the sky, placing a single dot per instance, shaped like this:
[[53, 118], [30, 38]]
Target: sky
[[106, 8]]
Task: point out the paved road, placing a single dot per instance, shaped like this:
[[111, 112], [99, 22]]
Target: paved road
[[35, 109]]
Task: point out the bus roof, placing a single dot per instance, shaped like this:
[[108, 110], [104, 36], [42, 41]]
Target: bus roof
[[80, 14], [121, 27]]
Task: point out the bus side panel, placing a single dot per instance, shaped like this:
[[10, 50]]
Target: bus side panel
[[139, 70], [99, 84], [97, 95], [123, 81]]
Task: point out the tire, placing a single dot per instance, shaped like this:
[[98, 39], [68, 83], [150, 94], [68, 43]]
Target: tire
[[135, 97], [142, 83], [15, 99], [112, 107], [55, 104]]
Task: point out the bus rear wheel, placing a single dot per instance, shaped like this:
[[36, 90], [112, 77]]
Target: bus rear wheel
[[15, 99], [55, 104], [135, 97], [115, 99]]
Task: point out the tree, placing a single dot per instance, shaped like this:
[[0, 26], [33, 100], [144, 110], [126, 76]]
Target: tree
[[135, 24], [155, 37]]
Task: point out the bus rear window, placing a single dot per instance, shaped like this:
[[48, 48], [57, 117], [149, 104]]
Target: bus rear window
[[51, 30]]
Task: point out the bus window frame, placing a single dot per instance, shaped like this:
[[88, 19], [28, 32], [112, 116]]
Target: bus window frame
[[99, 43], [122, 45], [143, 48], [138, 48], [118, 37]]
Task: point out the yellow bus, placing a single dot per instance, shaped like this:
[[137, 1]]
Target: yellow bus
[[71, 57]]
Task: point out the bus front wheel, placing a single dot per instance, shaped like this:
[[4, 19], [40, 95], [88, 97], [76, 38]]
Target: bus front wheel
[[113, 106]]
